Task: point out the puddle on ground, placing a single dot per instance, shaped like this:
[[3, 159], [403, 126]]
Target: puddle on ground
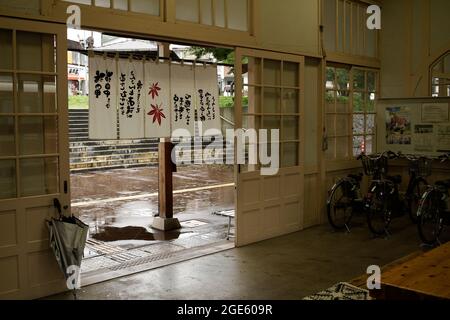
[[109, 234]]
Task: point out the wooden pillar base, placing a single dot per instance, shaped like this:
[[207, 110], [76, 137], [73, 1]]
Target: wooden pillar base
[[166, 224]]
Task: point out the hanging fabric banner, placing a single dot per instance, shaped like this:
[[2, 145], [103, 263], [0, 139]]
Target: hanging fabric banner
[[183, 98], [131, 99], [207, 100], [157, 100], [102, 98]]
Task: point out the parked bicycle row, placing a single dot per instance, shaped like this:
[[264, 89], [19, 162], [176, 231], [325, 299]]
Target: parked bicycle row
[[427, 205]]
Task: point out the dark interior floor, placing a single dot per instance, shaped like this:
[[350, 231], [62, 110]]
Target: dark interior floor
[[289, 267]]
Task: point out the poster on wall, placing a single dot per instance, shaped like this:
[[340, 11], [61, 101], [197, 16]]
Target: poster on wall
[[158, 115], [443, 138], [131, 99], [435, 112], [398, 126], [102, 98], [183, 98], [207, 100], [424, 138]]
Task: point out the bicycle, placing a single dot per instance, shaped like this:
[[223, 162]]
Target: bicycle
[[433, 213], [344, 199], [419, 169], [383, 198]]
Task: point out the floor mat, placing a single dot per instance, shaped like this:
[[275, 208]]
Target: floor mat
[[341, 291]]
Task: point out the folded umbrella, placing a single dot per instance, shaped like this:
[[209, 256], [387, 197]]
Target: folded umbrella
[[67, 240]]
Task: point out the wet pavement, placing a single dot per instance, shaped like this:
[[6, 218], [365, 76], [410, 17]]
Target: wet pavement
[[119, 206]]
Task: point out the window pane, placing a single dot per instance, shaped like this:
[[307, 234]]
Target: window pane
[[342, 148], [187, 10], [206, 12], [340, 47], [290, 74], [369, 144], [272, 72], [251, 100], [290, 128], [7, 179], [254, 70], [251, 122], [291, 101], [35, 51], [330, 101], [219, 7], [358, 145], [330, 152], [7, 130], [272, 100], [6, 62], [358, 124], [359, 79], [120, 4], [330, 25], [270, 123], [342, 124], [342, 101], [331, 125], [102, 3], [343, 79], [358, 102], [38, 135], [290, 155], [331, 78], [370, 123], [37, 94], [38, 176], [237, 14], [145, 6], [6, 93], [371, 102], [371, 84], [348, 31]]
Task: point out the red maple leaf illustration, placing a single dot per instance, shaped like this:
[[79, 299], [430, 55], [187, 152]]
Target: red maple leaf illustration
[[154, 90], [157, 113]]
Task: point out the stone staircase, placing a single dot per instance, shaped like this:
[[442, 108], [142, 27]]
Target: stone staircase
[[88, 154]]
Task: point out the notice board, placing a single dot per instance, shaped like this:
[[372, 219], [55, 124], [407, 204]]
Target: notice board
[[414, 125]]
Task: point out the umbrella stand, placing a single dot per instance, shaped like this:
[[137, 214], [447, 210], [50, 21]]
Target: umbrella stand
[[67, 241]]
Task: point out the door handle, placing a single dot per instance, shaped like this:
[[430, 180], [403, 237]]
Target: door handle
[[57, 205]]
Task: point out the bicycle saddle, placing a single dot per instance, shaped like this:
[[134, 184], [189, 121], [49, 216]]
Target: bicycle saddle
[[356, 177], [444, 183], [395, 179]]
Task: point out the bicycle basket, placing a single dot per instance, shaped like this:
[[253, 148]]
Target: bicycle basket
[[374, 166]]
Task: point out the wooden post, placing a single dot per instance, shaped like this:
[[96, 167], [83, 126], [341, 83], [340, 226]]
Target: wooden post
[[166, 167]]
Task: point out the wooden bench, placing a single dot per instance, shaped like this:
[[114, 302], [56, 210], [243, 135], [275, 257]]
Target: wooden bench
[[420, 276]]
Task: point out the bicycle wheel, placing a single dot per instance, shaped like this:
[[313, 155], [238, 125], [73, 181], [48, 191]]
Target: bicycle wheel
[[429, 217], [340, 205], [378, 211], [418, 189]]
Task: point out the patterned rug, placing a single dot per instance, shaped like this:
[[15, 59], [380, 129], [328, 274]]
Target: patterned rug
[[341, 291]]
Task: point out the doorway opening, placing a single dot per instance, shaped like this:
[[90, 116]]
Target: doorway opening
[[114, 182]]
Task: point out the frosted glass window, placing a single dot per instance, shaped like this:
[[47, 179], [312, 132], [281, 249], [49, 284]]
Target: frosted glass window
[[290, 74], [348, 24], [120, 4], [103, 3], [6, 61], [272, 72], [145, 6], [340, 26], [237, 14], [290, 154], [187, 10], [37, 94], [35, 52], [7, 143], [206, 12], [6, 93], [219, 7], [371, 46], [272, 100], [87, 2], [38, 135], [7, 179], [38, 176], [330, 24]]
